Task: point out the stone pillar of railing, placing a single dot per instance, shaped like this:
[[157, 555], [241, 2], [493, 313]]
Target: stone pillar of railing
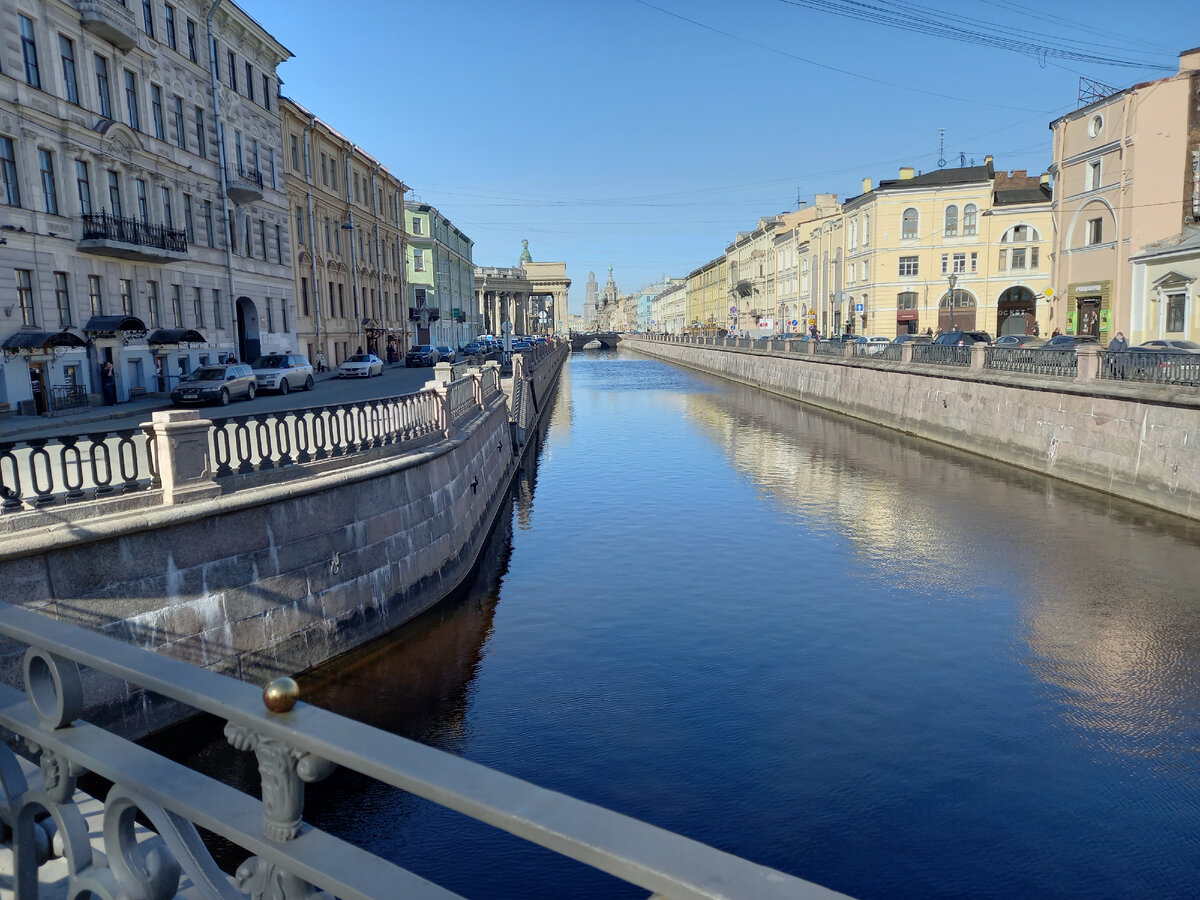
[[979, 355], [848, 350], [182, 451], [1087, 357], [443, 373], [494, 367], [906, 350], [810, 348], [443, 392]]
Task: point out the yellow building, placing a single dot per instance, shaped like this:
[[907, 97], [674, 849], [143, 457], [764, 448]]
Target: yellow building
[[348, 241], [908, 246], [707, 293]]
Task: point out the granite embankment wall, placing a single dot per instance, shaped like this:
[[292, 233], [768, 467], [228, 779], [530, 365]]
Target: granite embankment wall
[[277, 578], [1141, 442]]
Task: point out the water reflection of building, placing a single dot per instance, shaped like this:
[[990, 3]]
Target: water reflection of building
[[1103, 590]]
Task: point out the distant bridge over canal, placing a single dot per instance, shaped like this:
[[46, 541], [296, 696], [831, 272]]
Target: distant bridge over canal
[[608, 340]]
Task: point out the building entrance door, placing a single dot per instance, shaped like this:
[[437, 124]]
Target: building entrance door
[[37, 382], [1089, 316]]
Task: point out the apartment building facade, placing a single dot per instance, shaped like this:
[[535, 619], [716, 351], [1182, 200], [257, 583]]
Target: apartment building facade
[[441, 278], [143, 217]]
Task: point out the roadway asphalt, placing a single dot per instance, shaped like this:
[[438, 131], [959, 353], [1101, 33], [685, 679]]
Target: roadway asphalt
[[328, 390]]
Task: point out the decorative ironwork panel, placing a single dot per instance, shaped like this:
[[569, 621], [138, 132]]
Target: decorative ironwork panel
[[941, 355], [1034, 360], [1153, 366], [40, 472]]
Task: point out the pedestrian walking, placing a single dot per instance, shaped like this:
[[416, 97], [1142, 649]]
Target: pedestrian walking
[[1119, 342], [1118, 365], [320, 360], [108, 383]]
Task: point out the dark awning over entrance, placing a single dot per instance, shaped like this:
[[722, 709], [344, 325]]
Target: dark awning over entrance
[[42, 340], [102, 324], [176, 336]]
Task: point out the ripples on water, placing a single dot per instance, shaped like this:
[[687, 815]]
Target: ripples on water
[[893, 669]]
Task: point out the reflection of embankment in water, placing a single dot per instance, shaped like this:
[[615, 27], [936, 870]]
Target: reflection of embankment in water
[[1107, 587]]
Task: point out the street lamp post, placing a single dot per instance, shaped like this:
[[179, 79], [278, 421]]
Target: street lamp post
[[953, 279]]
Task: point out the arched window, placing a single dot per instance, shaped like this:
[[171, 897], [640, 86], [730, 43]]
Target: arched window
[[804, 278], [1020, 234], [910, 224], [951, 229], [970, 219], [853, 234]]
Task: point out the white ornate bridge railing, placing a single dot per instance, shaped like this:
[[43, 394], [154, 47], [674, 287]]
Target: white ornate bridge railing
[[288, 859]]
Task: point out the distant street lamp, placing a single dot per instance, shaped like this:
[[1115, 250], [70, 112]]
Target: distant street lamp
[[953, 279]]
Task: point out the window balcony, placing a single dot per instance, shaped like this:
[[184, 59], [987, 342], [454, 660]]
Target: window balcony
[[106, 235], [110, 20], [246, 186]]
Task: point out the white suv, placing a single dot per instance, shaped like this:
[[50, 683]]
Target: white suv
[[283, 372]]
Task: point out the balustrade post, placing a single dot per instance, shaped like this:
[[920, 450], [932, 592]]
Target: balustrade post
[[443, 394], [979, 355], [443, 373], [906, 351], [182, 454], [1087, 360], [848, 349]]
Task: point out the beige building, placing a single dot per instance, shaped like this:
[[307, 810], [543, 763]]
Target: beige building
[[1166, 288], [708, 309], [1126, 175], [672, 309], [790, 243], [347, 215], [130, 238]]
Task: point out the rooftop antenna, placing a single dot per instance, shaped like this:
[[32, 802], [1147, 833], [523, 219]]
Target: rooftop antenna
[[941, 148], [1091, 91], [962, 160], [799, 201]]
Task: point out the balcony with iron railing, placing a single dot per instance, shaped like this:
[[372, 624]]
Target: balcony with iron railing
[[245, 186], [110, 20], [108, 235]]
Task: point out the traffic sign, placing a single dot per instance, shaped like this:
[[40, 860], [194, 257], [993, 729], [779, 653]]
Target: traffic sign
[[794, 323], [859, 307]]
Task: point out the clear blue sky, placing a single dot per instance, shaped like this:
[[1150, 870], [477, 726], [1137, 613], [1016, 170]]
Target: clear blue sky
[[646, 133]]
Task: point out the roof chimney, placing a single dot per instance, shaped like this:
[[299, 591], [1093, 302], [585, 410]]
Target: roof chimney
[[987, 160], [906, 172], [866, 185], [1189, 60], [1045, 179]]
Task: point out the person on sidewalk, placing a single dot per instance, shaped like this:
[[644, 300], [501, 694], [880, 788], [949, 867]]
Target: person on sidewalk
[[108, 383], [320, 360]]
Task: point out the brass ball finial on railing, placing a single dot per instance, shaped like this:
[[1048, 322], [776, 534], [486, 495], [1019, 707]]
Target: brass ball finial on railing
[[281, 694]]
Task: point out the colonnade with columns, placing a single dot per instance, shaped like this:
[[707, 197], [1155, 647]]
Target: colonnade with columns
[[530, 311]]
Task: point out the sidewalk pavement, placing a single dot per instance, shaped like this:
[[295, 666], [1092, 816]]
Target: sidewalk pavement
[[17, 428]]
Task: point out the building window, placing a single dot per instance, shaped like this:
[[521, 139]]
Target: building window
[[198, 307], [201, 149], [250, 82], [1018, 257], [279, 244], [177, 305], [909, 265], [960, 263], [152, 298], [970, 223], [1003, 262], [49, 190], [866, 229], [131, 104], [67, 49], [216, 298], [304, 295], [271, 168], [1033, 257], [1093, 175], [168, 213], [910, 224], [270, 315], [951, 229], [29, 48], [126, 289], [1175, 311], [328, 237], [177, 113], [247, 237], [332, 308], [191, 33], [418, 260], [156, 111], [143, 205], [8, 171], [295, 153], [341, 301], [975, 261], [416, 225], [854, 234], [96, 295], [147, 17], [1095, 231], [169, 10], [25, 296], [357, 192], [324, 170], [102, 92], [62, 299], [906, 300], [262, 238], [233, 72], [189, 228], [237, 149], [299, 225], [266, 92], [209, 235]]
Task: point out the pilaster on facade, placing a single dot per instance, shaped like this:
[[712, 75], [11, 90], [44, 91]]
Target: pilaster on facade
[[119, 142]]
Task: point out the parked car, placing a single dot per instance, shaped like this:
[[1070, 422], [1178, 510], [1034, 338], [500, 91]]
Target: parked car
[[873, 344], [1020, 340], [422, 355], [361, 365], [1176, 346], [521, 345], [216, 384], [912, 338], [962, 338], [447, 354], [283, 372], [475, 348], [1068, 341]]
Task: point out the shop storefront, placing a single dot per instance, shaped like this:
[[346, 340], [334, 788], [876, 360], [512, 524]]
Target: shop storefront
[[1089, 309], [46, 371]]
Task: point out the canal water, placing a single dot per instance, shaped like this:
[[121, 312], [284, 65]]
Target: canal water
[[887, 667]]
